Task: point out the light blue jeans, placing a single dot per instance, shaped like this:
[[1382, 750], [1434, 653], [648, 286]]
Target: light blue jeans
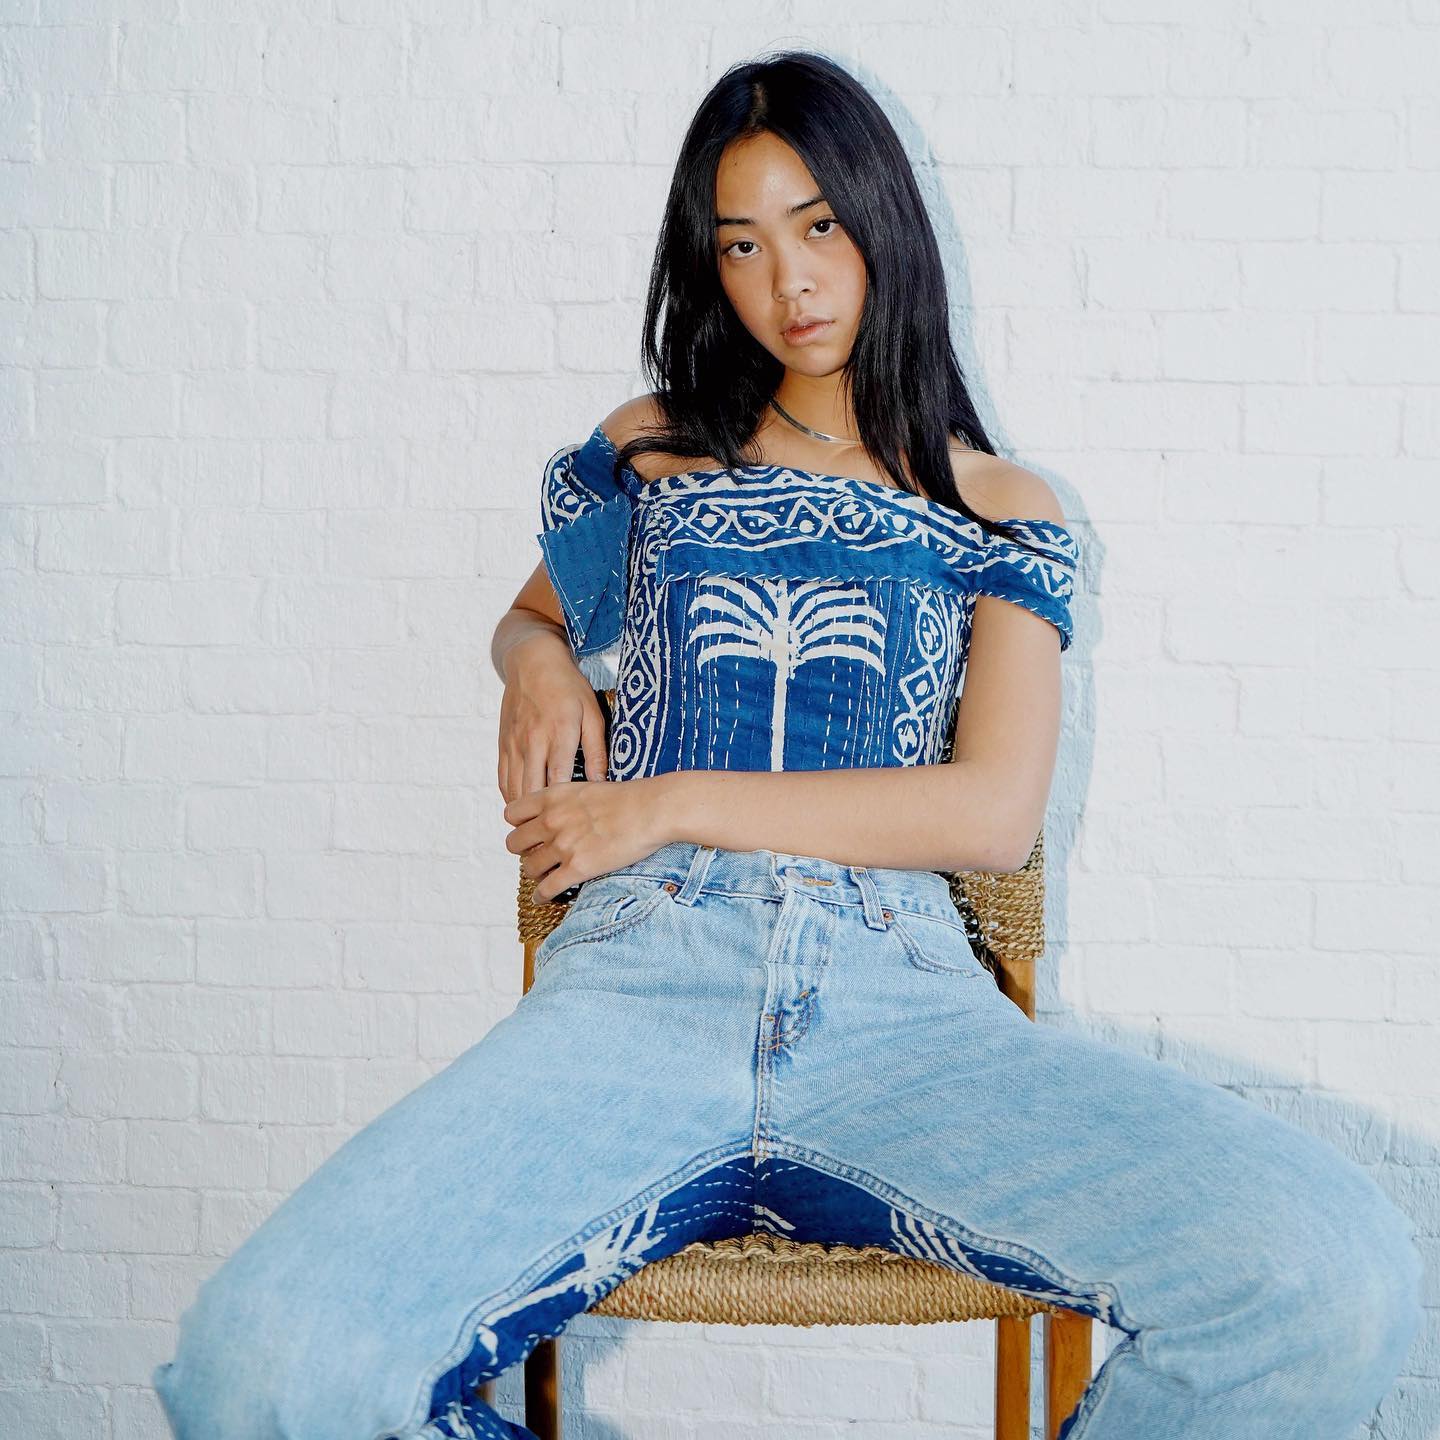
[[718, 1041]]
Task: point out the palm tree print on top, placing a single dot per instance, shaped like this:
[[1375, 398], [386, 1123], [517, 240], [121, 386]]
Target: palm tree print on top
[[784, 624]]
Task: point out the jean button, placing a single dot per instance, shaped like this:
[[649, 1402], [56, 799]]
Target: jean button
[[671, 886]]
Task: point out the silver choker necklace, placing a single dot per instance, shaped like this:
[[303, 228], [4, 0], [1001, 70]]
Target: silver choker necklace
[[801, 425]]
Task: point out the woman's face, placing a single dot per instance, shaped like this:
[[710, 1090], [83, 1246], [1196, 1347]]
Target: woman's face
[[776, 266]]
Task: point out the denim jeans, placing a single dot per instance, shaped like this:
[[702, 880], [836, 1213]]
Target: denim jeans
[[721, 1041]]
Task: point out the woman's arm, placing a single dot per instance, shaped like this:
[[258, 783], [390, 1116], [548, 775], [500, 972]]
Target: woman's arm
[[535, 610], [980, 811]]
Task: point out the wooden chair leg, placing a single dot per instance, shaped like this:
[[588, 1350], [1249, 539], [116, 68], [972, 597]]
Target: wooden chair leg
[[1012, 1378], [1067, 1373], [1067, 1366], [542, 1389]]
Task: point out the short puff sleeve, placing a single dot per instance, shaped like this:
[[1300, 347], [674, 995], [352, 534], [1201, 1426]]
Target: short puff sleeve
[[585, 514], [1040, 579]]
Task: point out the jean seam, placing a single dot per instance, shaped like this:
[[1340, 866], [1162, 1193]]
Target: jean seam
[[806, 1011], [954, 922], [1099, 1386], [768, 1043], [776, 896], [883, 1190], [619, 923], [707, 1159], [924, 961]]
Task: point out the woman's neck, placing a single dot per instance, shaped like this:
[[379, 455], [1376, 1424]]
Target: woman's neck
[[818, 402]]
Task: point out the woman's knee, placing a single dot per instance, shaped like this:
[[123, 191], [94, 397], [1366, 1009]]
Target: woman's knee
[[1360, 1299], [1395, 1270], [226, 1377]]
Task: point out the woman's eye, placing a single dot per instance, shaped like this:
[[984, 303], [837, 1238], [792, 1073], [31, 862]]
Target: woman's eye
[[828, 220]]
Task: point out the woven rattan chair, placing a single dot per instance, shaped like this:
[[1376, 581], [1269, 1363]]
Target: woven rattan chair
[[766, 1279]]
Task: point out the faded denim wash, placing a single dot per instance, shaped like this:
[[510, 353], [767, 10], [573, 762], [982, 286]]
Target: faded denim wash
[[719, 1041]]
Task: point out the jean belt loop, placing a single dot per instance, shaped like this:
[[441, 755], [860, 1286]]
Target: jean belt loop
[[695, 878], [870, 897]]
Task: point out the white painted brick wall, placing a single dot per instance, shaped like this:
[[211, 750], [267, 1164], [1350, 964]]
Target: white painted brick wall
[[296, 296]]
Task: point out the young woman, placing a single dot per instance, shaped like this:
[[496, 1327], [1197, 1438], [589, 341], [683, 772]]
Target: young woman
[[760, 1010]]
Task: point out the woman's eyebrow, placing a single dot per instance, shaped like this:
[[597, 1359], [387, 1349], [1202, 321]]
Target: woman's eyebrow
[[746, 220]]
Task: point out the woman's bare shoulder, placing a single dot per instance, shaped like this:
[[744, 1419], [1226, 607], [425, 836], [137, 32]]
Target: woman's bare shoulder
[[643, 414], [630, 417], [999, 489]]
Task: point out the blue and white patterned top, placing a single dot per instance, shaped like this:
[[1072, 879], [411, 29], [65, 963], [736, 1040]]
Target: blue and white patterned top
[[777, 619]]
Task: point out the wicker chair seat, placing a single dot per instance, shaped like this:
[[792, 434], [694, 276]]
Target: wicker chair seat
[[765, 1279]]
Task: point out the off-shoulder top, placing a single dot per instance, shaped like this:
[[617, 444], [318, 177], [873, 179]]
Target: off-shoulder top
[[774, 618]]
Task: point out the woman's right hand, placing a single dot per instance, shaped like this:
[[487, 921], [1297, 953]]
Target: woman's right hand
[[548, 711]]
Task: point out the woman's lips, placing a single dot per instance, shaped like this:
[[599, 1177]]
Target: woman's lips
[[807, 332]]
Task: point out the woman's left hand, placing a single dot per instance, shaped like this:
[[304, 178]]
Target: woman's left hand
[[573, 830]]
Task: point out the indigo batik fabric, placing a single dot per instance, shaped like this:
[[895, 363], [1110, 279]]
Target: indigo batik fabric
[[777, 619]]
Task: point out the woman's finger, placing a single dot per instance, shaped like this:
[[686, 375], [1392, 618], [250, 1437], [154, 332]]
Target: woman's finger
[[592, 742], [537, 757]]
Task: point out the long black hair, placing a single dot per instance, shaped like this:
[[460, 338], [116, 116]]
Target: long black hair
[[713, 380]]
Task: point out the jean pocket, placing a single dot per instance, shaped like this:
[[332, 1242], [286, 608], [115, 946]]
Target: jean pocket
[[931, 942], [603, 909]]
